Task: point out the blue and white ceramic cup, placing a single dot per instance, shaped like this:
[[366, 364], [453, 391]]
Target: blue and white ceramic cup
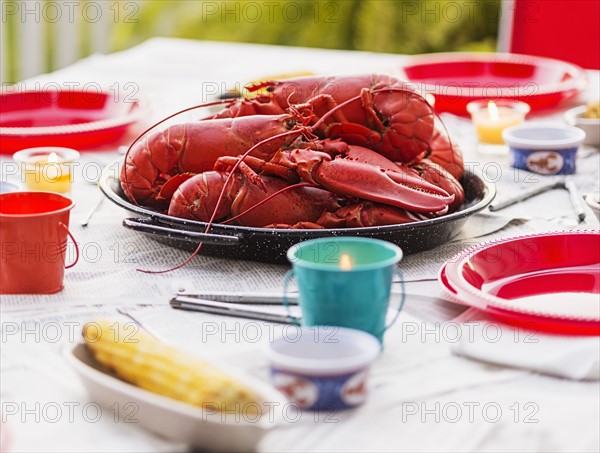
[[322, 368], [547, 149]]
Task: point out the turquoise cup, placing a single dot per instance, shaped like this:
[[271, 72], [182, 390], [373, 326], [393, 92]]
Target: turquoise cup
[[345, 282]]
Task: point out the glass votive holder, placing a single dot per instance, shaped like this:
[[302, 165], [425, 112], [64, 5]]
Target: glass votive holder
[[491, 118], [47, 168]]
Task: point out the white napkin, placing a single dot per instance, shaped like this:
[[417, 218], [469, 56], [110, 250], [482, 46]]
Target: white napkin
[[480, 337]]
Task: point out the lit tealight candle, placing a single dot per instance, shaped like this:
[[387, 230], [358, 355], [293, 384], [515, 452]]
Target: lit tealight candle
[[47, 169], [491, 118], [345, 262], [344, 281]]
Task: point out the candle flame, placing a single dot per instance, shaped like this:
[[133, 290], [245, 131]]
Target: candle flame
[[345, 262], [52, 158], [493, 111]]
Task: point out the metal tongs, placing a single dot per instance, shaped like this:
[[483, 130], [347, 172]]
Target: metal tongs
[[239, 305]]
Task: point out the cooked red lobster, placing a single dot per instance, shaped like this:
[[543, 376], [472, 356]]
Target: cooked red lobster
[[311, 152]]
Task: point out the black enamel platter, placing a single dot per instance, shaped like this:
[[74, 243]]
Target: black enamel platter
[[271, 245]]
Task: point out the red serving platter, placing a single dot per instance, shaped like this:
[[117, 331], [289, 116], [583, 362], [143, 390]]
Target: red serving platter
[[548, 282], [67, 118], [455, 79]]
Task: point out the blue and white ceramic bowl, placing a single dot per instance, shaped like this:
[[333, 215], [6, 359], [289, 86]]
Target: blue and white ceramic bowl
[[547, 149], [323, 367]]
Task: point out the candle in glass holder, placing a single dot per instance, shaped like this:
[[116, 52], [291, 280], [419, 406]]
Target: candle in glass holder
[[492, 117], [47, 169]]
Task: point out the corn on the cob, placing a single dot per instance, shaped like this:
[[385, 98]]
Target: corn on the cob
[[140, 359]]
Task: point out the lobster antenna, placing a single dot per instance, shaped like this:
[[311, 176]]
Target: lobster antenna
[[384, 90], [447, 133], [235, 167], [205, 104], [273, 195], [306, 131], [359, 97], [220, 199]]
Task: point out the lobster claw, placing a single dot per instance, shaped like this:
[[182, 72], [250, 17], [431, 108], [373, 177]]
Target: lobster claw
[[362, 173], [402, 188]]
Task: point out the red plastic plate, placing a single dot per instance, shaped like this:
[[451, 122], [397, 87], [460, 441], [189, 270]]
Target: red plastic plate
[[545, 282], [72, 119], [455, 79]]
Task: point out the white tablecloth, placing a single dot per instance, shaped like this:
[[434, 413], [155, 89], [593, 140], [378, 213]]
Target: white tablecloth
[[423, 398]]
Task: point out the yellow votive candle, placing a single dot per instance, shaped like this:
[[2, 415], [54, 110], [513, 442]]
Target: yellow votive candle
[[47, 169], [491, 118]]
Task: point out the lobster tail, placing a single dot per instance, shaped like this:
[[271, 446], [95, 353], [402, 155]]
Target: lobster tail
[[161, 157], [446, 154]]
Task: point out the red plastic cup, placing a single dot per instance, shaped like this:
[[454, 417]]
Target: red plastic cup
[[33, 240]]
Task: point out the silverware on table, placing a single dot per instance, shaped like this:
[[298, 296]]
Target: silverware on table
[[575, 199], [568, 185], [262, 298], [87, 218], [229, 309], [525, 196]]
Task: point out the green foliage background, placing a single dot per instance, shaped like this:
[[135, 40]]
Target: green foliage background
[[397, 26]]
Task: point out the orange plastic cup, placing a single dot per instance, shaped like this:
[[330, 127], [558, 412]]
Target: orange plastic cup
[[33, 240]]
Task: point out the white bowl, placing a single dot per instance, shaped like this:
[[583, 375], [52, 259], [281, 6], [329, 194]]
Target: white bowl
[[591, 126], [593, 201], [181, 422]]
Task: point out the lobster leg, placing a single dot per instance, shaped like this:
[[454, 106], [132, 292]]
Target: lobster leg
[[319, 105], [366, 214], [251, 165], [296, 226], [358, 214]]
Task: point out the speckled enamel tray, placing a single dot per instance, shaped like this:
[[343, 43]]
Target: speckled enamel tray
[[271, 245]]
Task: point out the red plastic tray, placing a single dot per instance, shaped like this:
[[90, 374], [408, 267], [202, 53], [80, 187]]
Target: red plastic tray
[[545, 282], [68, 118], [455, 79]]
